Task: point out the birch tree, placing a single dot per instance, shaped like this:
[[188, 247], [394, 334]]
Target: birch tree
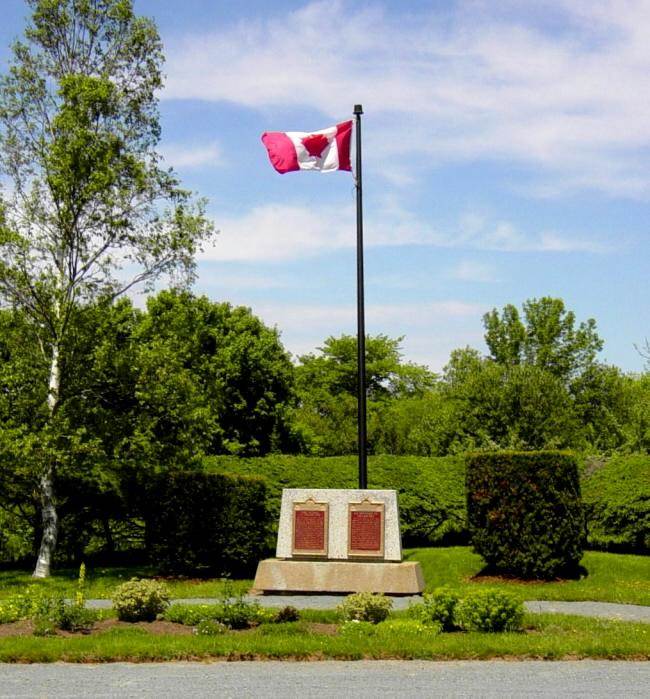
[[87, 210]]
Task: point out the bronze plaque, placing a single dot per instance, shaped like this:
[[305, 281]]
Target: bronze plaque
[[310, 528], [366, 529]]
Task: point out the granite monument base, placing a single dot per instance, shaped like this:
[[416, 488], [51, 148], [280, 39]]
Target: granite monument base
[[276, 576]]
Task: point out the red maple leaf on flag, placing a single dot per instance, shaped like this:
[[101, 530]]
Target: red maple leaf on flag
[[315, 144]]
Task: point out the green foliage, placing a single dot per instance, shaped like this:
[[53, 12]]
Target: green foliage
[[525, 512], [431, 492], [389, 630], [211, 378], [326, 383], [33, 602], [286, 615], [497, 406], [207, 627], [206, 521], [89, 211], [547, 337], [234, 613], [365, 606], [355, 629], [77, 618], [140, 600], [489, 610], [407, 629], [616, 492], [438, 607]]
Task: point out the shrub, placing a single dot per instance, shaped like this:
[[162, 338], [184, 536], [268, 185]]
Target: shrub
[[77, 619], [207, 627], [616, 493], [525, 512], [365, 606], [437, 608], [140, 600], [240, 614], [489, 610], [286, 615], [47, 614], [206, 521]]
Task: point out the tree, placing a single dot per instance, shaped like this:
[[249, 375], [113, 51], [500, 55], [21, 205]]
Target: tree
[[326, 384], [211, 379], [547, 337], [497, 406], [89, 200]]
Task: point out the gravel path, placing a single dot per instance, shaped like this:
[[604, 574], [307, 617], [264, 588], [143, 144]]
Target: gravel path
[[394, 678], [605, 610]]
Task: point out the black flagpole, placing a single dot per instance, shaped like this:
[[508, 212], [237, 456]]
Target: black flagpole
[[361, 321]]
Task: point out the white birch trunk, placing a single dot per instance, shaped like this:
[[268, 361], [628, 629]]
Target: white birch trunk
[[49, 516]]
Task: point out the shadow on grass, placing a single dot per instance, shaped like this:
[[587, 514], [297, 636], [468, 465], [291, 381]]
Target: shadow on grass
[[492, 574]]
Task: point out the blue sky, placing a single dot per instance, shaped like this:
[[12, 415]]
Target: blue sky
[[506, 156]]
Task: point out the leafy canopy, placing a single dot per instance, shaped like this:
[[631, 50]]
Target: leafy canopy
[[547, 337], [89, 211]]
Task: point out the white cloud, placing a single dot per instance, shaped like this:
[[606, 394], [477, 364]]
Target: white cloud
[[474, 271], [192, 156], [489, 80], [279, 232], [431, 328]]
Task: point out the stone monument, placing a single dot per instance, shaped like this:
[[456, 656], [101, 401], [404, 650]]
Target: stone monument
[[339, 541]]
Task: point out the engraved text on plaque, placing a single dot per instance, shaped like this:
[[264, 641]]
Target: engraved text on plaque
[[310, 528], [366, 529]]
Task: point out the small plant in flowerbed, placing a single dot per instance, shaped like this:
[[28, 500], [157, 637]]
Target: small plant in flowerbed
[[208, 627], [232, 611], [437, 607], [489, 610], [50, 612], [140, 600], [365, 606], [480, 610]]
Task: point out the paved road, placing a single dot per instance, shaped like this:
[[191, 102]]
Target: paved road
[[374, 679], [605, 610]]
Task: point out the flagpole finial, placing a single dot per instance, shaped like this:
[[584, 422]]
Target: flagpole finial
[[358, 109]]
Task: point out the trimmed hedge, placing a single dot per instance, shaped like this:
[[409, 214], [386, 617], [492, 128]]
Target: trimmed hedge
[[196, 521], [616, 493], [525, 512], [431, 492], [617, 497]]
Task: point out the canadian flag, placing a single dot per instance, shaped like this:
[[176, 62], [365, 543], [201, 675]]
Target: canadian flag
[[325, 150]]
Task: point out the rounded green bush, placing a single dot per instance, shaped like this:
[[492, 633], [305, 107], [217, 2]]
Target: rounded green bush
[[140, 600], [365, 606], [437, 608], [489, 610]]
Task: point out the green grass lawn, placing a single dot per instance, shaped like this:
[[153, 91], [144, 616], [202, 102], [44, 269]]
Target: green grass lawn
[[611, 578], [547, 637], [100, 582]]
